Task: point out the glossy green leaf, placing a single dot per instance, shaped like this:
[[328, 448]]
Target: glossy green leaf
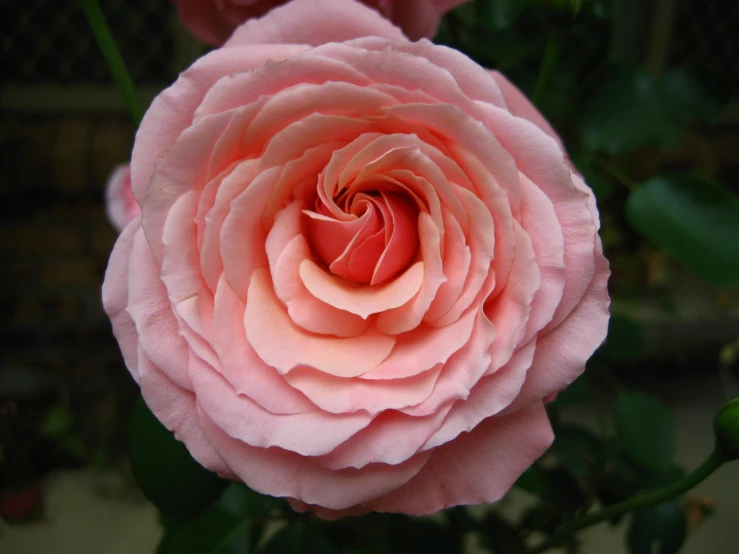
[[576, 392], [542, 517], [500, 536], [625, 339], [496, 15], [659, 529], [602, 187], [213, 532], [694, 220], [416, 536], [577, 449], [164, 469], [689, 96], [298, 538], [622, 112], [645, 430]]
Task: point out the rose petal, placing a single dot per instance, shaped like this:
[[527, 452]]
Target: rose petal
[[478, 467], [284, 345], [115, 296], [361, 300], [280, 473]]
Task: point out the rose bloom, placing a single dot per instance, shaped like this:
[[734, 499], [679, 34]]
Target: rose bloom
[[213, 21], [360, 267], [120, 204]]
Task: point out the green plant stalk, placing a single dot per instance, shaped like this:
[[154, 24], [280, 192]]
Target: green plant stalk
[[555, 40], [712, 463], [113, 58]]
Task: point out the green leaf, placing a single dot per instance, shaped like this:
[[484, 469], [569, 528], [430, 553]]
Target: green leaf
[[212, 532], [500, 536], [576, 392], [622, 112], [532, 481], [56, 422], [687, 96], [602, 187], [659, 529], [164, 469], [645, 430], [542, 517], [694, 220], [298, 538], [496, 15], [577, 449], [624, 340]]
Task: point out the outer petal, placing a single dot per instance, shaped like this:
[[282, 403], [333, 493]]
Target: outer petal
[[521, 106], [280, 473], [120, 204], [172, 111], [477, 467], [115, 296], [314, 22], [561, 354], [175, 408]]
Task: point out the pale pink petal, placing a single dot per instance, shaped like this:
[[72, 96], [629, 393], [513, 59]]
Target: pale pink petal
[[314, 22], [151, 311], [191, 299], [305, 309], [243, 235], [540, 158], [540, 221], [120, 204], [183, 169], [286, 250], [482, 229], [456, 263], [463, 370], [489, 396], [478, 467], [561, 353], [233, 184], [409, 315], [311, 433], [341, 395], [175, 408], [173, 110], [392, 438], [509, 311], [472, 79], [521, 106], [241, 366], [115, 295], [424, 347], [361, 300], [280, 473], [284, 345]]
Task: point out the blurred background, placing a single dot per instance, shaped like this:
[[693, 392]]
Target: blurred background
[[65, 484]]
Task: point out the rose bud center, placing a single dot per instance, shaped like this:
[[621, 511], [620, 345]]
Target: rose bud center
[[365, 237]]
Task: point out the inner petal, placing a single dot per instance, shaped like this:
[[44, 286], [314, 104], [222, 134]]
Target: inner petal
[[373, 241]]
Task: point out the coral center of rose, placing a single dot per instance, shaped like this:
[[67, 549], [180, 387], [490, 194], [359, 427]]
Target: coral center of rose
[[369, 239]]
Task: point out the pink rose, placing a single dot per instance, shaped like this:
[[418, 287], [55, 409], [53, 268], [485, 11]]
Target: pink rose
[[359, 269], [213, 21], [120, 203]]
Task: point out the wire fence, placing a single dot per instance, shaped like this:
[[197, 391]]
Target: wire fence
[[43, 42]]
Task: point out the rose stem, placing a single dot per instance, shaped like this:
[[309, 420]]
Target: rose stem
[[712, 463], [113, 58]]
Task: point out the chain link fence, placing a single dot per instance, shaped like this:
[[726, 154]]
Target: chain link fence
[[45, 42], [49, 59]]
